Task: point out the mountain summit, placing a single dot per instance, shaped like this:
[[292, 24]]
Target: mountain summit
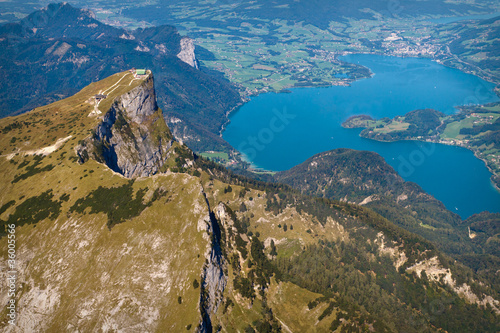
[[61, 20], [132, 138]]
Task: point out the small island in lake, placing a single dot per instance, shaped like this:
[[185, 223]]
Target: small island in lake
[[474, 127]]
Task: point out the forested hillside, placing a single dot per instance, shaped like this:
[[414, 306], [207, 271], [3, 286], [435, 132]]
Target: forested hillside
[[366, 179]]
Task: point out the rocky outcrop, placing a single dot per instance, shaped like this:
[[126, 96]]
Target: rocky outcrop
[[187, 52], [213, 279], [435, 272], [133, 138]]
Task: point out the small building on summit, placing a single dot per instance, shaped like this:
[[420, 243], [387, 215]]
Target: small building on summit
[[140, 72]]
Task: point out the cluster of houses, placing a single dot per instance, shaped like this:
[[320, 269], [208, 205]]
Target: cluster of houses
[[482, 119]]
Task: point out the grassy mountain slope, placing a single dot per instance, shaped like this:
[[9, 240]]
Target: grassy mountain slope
[[73, 267], [472, 46], [196, 247]]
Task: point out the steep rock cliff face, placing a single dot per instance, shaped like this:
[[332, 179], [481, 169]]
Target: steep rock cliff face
[[132, 138], [214, 280], [187, 52]]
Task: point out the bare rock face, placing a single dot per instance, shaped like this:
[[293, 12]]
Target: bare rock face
[[214, 280], [133, 138], [187, 52], [140, 103]]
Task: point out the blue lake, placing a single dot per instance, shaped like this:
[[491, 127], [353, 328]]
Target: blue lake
[[278, 131]]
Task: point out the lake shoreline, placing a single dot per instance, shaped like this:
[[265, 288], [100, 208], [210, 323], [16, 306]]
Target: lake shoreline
[[497, 187], [398, 129], [401, 84], [347, 83]]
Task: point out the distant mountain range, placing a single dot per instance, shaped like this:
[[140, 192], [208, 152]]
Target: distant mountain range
[[56, 51], [317, 12]]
